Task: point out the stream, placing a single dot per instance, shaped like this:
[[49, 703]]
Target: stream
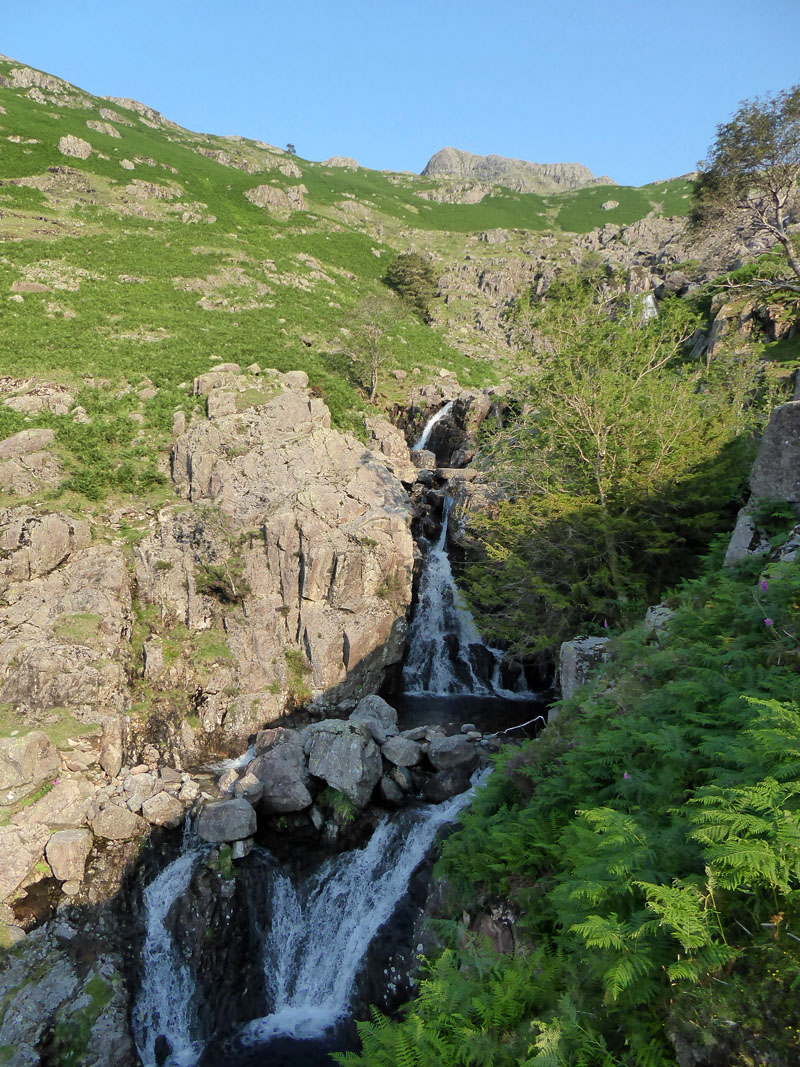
[[312, 930]]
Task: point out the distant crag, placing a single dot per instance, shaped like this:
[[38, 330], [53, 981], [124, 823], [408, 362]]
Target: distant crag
[[516, 174]]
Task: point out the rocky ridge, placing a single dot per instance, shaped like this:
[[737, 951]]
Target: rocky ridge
[[516, 174]]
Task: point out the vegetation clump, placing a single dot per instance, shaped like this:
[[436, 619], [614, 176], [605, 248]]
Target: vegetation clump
[[648, 845]]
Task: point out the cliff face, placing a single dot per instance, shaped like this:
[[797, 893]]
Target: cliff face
[[516, 174]]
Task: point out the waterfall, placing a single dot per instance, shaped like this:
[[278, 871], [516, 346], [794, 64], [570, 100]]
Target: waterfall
[[446, 654], [442, 413], [318, 932], [165, 1006], [321, 929]]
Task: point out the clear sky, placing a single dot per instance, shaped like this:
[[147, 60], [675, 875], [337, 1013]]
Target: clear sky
[[630, 89]]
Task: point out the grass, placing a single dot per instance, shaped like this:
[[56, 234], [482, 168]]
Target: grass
[[59, 724]]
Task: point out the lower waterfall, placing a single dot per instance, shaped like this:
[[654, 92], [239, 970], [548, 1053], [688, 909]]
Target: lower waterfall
[[317, 934]]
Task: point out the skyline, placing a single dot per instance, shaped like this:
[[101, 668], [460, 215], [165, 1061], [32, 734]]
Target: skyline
[[637, 101]]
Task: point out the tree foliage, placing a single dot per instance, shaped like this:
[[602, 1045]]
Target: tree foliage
[[412, 277], [749, 183], [370, 326], [618, 461]]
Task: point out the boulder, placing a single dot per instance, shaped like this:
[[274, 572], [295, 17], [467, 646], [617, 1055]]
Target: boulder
[[67, 852], [226, 820], [402, 752], [345, 756], [162, 809], [111, 752], [283, 774], [577, 659], [445, 784], [380, 717], [65, 806], [27, 761], [746, 540], [118, 824], [391, 793], [20, 850], [776, 471], [453, 753], [74, 146], [250, 787]]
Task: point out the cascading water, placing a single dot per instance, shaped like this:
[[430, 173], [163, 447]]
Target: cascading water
[[318, 934], [425, 436], [446, 655], [322, 929], [165, 1004]]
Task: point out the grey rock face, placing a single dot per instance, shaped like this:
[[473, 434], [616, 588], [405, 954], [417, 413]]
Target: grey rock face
[[74, 146], [344, 755], [746, 540], [67, 852], [452, 753], [279, 202], [26, 464], [577, 658], [227, 820], [20, 850], [326, 556]]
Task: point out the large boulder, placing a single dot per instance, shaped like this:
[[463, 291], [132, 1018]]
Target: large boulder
[[377, 715], [20, 850], [283, 772], [226, 820], [345, 756], [116, 823], [65, 806], [577, 659], [453, 754], [25, 762], [445, 784], [402, 752], [67, 852], [162, 809], [776, 471]]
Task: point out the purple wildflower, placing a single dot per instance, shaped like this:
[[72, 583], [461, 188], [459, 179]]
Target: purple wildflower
[[626, 776], [768, 622], [605, 624], [764, 585]]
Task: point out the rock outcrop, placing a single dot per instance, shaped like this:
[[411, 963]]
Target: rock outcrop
[[517, 174], [294, 548]]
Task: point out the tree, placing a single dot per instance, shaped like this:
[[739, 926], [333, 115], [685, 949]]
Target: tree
[[290, 148], [412, 277], [370, 324], [749, 183], [618, 464]]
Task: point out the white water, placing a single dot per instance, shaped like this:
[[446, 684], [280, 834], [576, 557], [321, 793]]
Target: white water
[[321, 930], [319, 933], [166, 1000], [442, 413], [443, 635]]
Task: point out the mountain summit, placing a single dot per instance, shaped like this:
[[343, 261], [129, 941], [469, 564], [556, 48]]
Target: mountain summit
[[516, 174]]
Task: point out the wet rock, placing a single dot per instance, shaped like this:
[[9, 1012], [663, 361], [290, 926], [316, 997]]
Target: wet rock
[[380, 717], [240, 849], [445, 784], [453, 753], [118, 824], [402, 752], [67, 852], [161, 809], [250, 787], [391, 793], [226, 820], [345, 756]]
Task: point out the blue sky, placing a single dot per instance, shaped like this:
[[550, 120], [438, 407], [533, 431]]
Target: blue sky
[[629, 89]]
